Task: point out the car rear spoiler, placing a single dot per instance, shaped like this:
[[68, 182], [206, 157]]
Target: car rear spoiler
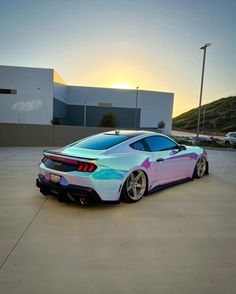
[[47, 153]]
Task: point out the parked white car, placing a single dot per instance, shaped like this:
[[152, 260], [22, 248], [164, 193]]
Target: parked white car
[[230, 138], [202, 139]]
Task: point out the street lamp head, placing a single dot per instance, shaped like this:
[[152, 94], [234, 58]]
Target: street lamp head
[[205, 46]]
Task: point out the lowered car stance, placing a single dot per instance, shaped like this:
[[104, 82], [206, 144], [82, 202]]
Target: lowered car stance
[[118, 165]]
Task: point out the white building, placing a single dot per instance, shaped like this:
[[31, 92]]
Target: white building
[[37, 95]]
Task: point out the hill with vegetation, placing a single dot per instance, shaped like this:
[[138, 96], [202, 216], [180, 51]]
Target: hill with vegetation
[[217, 116]]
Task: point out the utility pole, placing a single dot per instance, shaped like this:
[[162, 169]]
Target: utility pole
[[201, 88], [136, 108], [85, 113]]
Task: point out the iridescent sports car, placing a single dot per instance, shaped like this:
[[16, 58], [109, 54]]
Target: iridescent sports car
[[118, 165]]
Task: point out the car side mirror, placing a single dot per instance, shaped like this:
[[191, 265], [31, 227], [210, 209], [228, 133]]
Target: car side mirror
[[182, 148]]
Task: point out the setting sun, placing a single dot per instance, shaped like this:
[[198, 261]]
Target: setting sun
[[121, 86]]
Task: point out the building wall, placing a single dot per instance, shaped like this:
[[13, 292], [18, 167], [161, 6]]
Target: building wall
[[33, 102], [74, 114], [44, 135], [93, 95], [60, 110], [60, 91], [155, 106], [125, 117], [40, 97]]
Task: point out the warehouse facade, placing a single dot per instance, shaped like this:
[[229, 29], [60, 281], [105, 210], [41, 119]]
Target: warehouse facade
[[40, 96]]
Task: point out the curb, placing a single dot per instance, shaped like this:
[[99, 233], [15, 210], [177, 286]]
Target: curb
[[218, 148]]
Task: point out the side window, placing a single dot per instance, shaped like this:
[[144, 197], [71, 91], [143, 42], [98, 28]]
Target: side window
[[158, 143], [138, 145]]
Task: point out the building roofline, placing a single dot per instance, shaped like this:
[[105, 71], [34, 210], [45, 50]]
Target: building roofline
[[30, 67], [118, 89]]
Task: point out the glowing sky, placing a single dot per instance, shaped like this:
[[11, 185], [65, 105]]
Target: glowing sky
[[153, 44]]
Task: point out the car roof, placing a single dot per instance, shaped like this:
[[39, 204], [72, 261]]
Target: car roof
[[132, 136], [130, 133], [231, 133]]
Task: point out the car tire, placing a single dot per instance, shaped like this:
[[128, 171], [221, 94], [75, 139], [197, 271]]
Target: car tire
[[134, 187], [227, 143], [200, 168]]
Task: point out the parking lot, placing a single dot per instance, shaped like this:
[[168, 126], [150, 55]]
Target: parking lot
[[178, 240]]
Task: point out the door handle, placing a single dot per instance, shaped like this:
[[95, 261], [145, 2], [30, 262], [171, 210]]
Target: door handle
[[160, 159]]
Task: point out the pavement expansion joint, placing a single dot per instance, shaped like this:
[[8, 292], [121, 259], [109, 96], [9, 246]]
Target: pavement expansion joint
[[23, 233]]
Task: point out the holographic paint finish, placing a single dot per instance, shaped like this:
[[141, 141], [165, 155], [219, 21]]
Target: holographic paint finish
[[115, 164], [146, 164], [108, 174]]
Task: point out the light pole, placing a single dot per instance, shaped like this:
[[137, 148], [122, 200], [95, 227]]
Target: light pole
[[136, 106], [85, 113], [201, 89]]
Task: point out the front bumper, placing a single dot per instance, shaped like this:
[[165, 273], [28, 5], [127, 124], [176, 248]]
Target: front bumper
[[72, 192]]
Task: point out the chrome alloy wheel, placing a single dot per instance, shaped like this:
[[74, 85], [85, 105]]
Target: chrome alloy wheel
[[136, 185], [201, 167]]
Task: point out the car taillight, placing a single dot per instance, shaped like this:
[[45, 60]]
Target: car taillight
[[86, 167], [43, 159]]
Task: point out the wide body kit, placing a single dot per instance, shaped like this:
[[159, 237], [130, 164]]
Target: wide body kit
[[101, 174]]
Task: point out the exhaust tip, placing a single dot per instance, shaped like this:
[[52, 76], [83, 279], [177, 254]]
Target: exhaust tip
[[38, 184], [83, 201]]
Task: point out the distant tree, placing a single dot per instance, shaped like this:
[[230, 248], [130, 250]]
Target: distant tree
[[56, 121], [161, 124], [108, 121]]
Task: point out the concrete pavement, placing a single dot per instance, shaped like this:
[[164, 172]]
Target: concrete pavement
[[178, 240]]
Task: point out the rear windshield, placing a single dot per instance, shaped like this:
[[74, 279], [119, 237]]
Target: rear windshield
[[101, 142]]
